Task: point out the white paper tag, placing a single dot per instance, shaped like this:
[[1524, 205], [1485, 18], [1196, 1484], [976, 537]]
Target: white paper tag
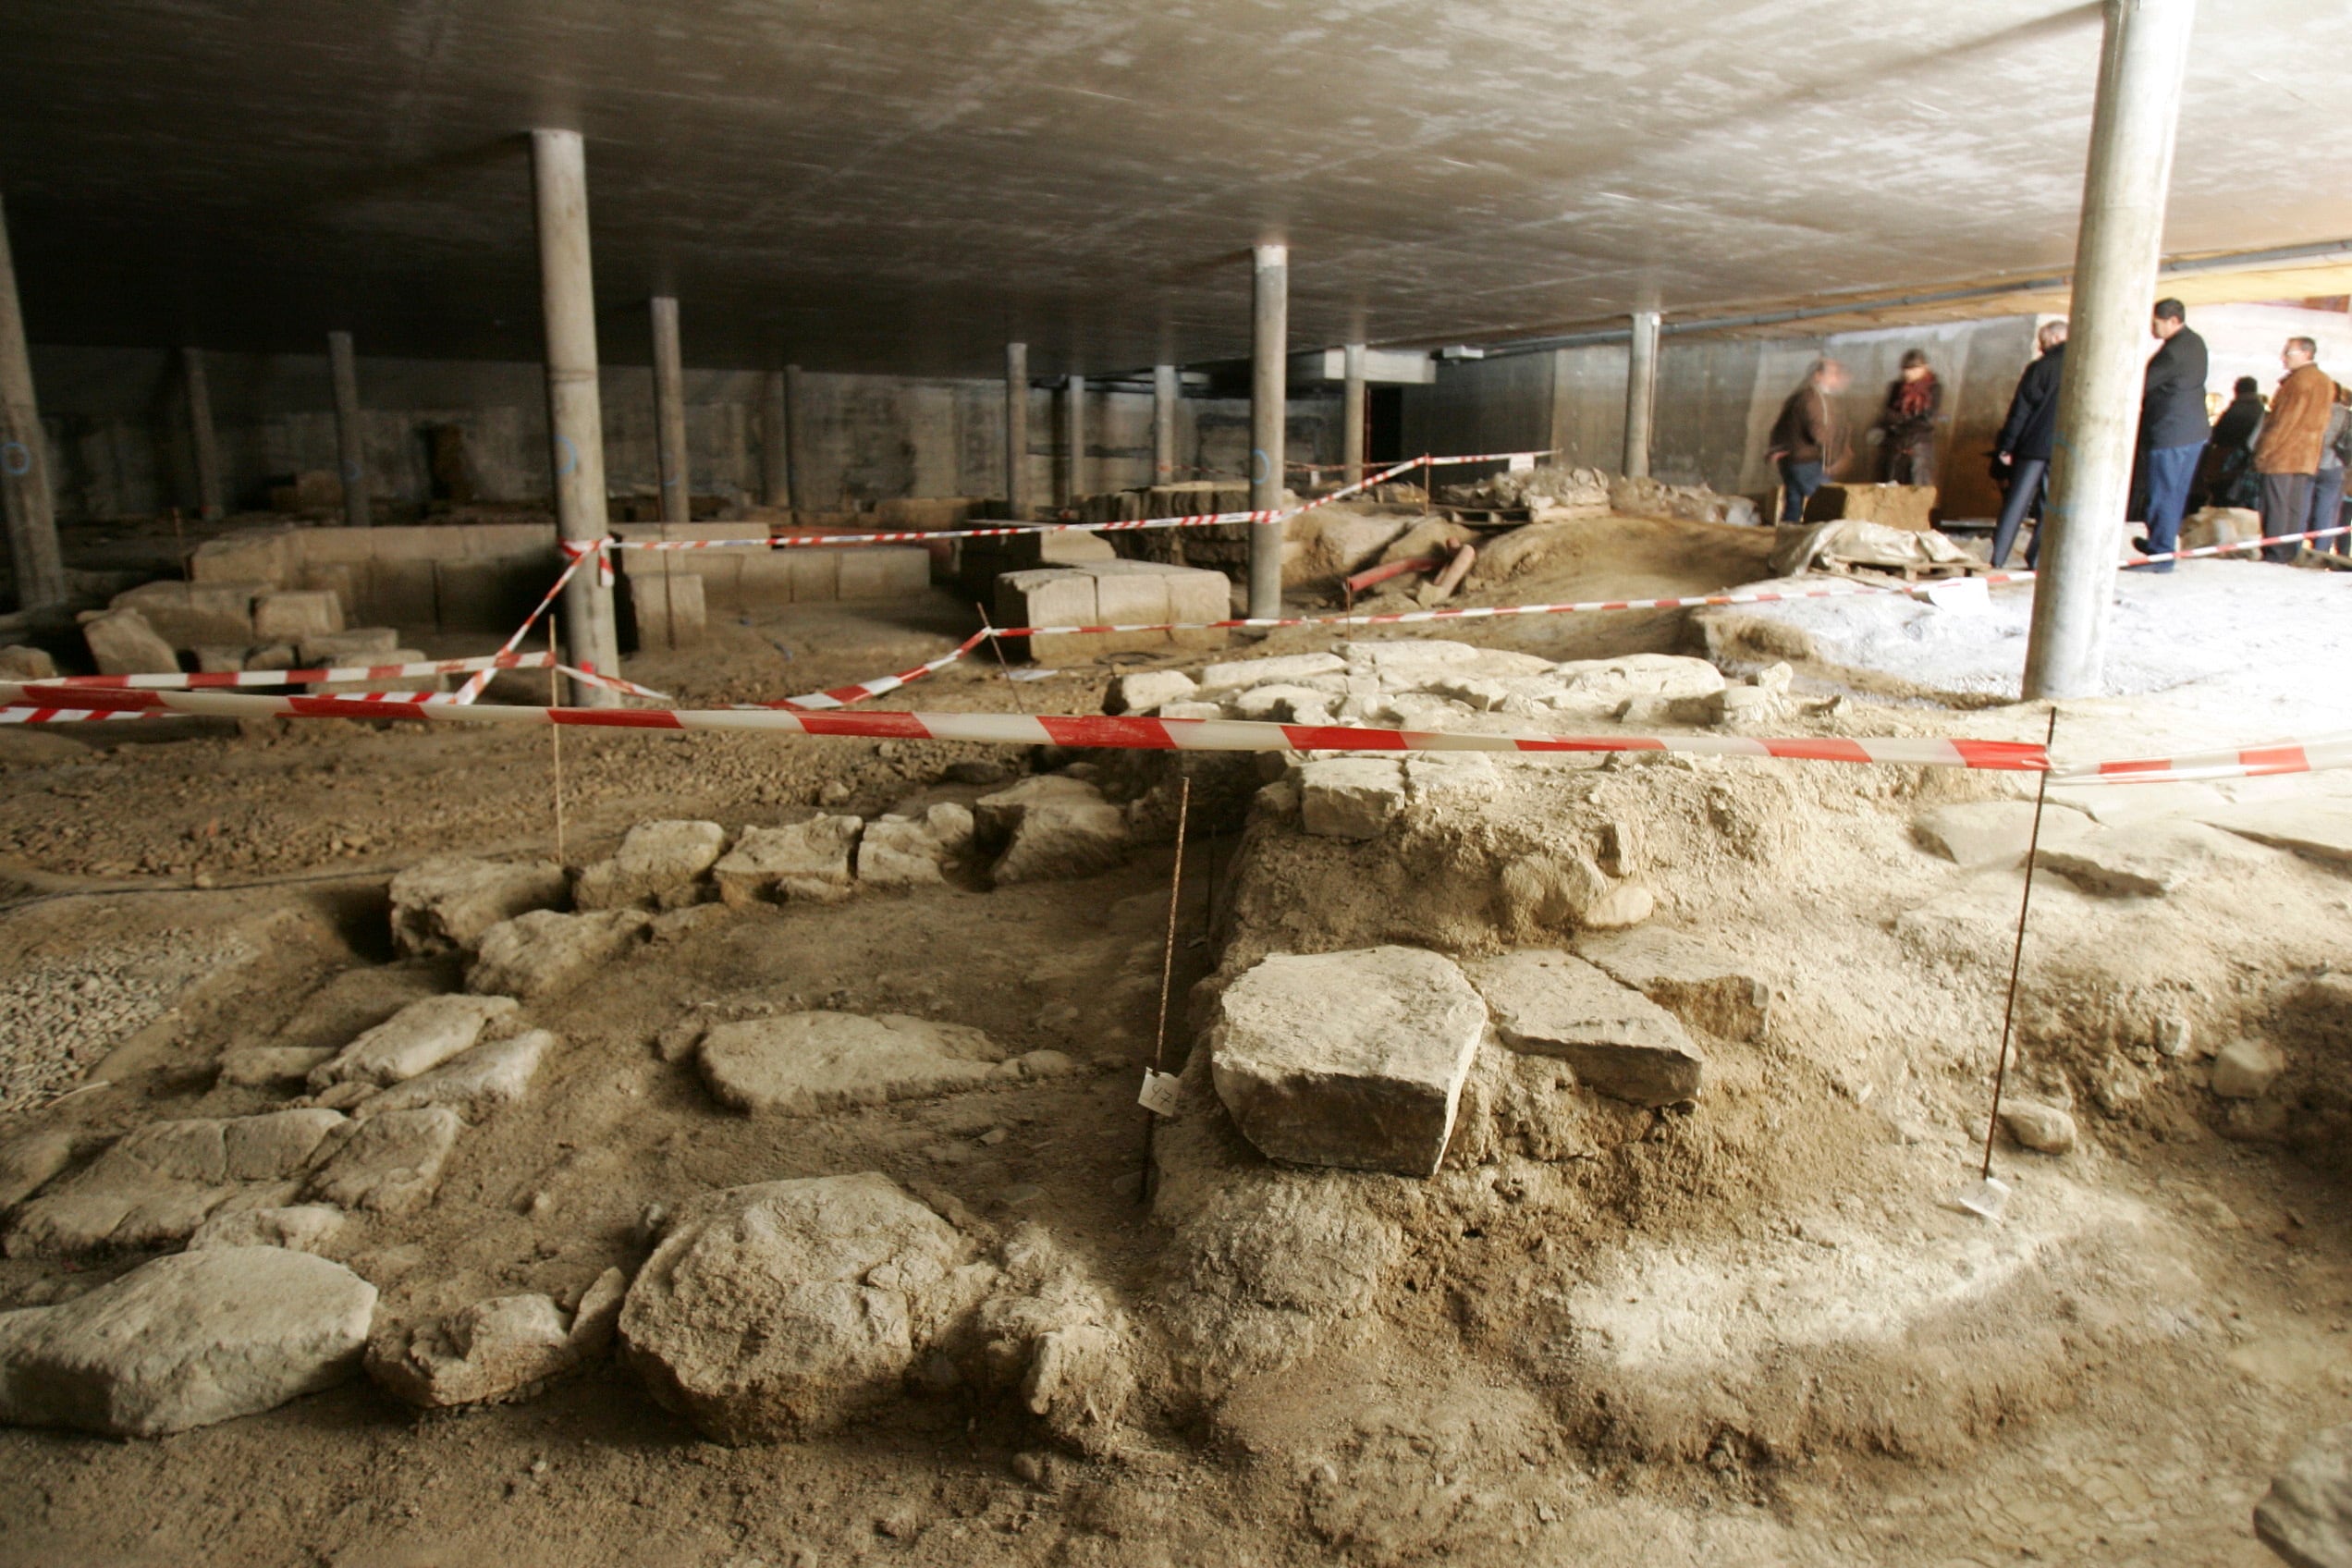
[[1158, 1094], [1523, 465]]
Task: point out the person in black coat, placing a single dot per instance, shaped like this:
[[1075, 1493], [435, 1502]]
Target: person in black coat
[[2023, 449], [2225, 477], [2173, 427]]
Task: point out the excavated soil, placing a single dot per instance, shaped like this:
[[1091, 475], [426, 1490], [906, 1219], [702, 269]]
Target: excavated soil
[[1750, 1329]]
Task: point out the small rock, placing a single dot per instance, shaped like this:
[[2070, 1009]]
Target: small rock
[[658, 863], [299, 1227], [2044, 1129], [447, 904], [389, 1164], [28, 1161], [2245, 1070], [542, 953], [18, 661], [2306, 1517], [833, 793], [971, 771], [806, 1062], [507, 1348], [806, 861], [1350, 1058], [261, 1067], [420, 1035], [1148, 689], [185, 1341]]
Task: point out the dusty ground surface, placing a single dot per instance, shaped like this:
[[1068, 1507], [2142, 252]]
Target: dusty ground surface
[[1750, 1332]]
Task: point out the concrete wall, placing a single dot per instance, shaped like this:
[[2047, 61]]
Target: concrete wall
[[118, 425], [1717, 399]]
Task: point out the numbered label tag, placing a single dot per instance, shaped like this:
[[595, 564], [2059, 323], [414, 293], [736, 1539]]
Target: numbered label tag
[[1158, 1094], [1523, 465]]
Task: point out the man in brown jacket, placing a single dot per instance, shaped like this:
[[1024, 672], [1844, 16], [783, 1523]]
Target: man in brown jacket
[[1808, 439], [2287, 453]]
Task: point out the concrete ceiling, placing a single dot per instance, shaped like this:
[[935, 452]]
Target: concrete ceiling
[[901, 185]]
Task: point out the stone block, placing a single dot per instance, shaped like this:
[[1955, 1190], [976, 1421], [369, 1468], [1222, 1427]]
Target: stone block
[[502, 1349], [267, 557], [806, 861], [18, 661], [543, 954], [1129, 593], [804, 1063], [1198, 595], [2148, 860], [2245, 1070], [186, 614], [1704, 986], [1285, 668], [331, 547], [1551, 1003], [885, 571], [658, 863], [816, 572], [786, 1309], [1050, 597], [185, 1341], [1350, 1058], [1147, 691], [389, 1164], [420, 1035], [294, 614], [2306, 1517], [909, 852], [2319, 829], [446, 904], [1051, 827], [1908, 506], [764, 577], [1350, 796], [720, 571], [121, 643], [412, 543], [473, 1082]]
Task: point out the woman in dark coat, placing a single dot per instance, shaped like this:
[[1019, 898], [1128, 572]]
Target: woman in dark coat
[[1913, 400]]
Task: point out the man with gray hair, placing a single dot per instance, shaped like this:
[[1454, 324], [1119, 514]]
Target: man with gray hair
[[1808, 439], [2288, 451], [2023, 448]]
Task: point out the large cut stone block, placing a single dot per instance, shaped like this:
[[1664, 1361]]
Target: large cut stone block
[[294, 614], [1350, 1058], [123, 644], [1703, 985], [1549, 1003], [186, 614], [420, 1035], [542, 953], [185, 1341], [389, 1164], [885, 571], [262, 556], [1350, 796]]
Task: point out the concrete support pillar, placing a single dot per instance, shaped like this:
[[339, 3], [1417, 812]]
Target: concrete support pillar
[[202, 434], [1073, 440], [2116, 258], [1270, 374], [775, 472], [1562, 400], [1164, 395], [575, 407], [351, 437], [1641, 392], [669, 413], [1017, 498], [796, 434], [38, 565], [1351, 412]]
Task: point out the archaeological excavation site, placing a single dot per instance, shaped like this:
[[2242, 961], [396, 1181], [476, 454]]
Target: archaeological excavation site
[[1079, 784]]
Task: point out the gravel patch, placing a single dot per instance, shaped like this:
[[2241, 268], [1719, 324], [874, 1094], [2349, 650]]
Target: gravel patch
[[60, 1016]]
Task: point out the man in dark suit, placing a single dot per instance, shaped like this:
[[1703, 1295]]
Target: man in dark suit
[[2022, 446], [2173, 427]]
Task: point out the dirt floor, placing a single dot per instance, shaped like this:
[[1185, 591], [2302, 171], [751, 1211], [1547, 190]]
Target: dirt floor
[[1748, 1330]]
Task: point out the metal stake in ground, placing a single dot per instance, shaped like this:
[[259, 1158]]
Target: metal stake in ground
[[1167, 981], [1990, 1195], [555, 735]]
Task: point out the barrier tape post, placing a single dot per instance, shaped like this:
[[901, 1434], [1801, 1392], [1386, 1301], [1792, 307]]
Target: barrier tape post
[[1155, 1091], [555, 738]]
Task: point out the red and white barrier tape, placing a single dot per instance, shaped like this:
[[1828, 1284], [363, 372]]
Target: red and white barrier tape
[[2003, 579], [841, 697], [314, 677]]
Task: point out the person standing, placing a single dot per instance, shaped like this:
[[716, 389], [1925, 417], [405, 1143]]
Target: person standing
[[2173, 428], [1808, 439], [2287, 453], [2023, 448], [2224, 481], [2327, 486], [1913, 400]]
